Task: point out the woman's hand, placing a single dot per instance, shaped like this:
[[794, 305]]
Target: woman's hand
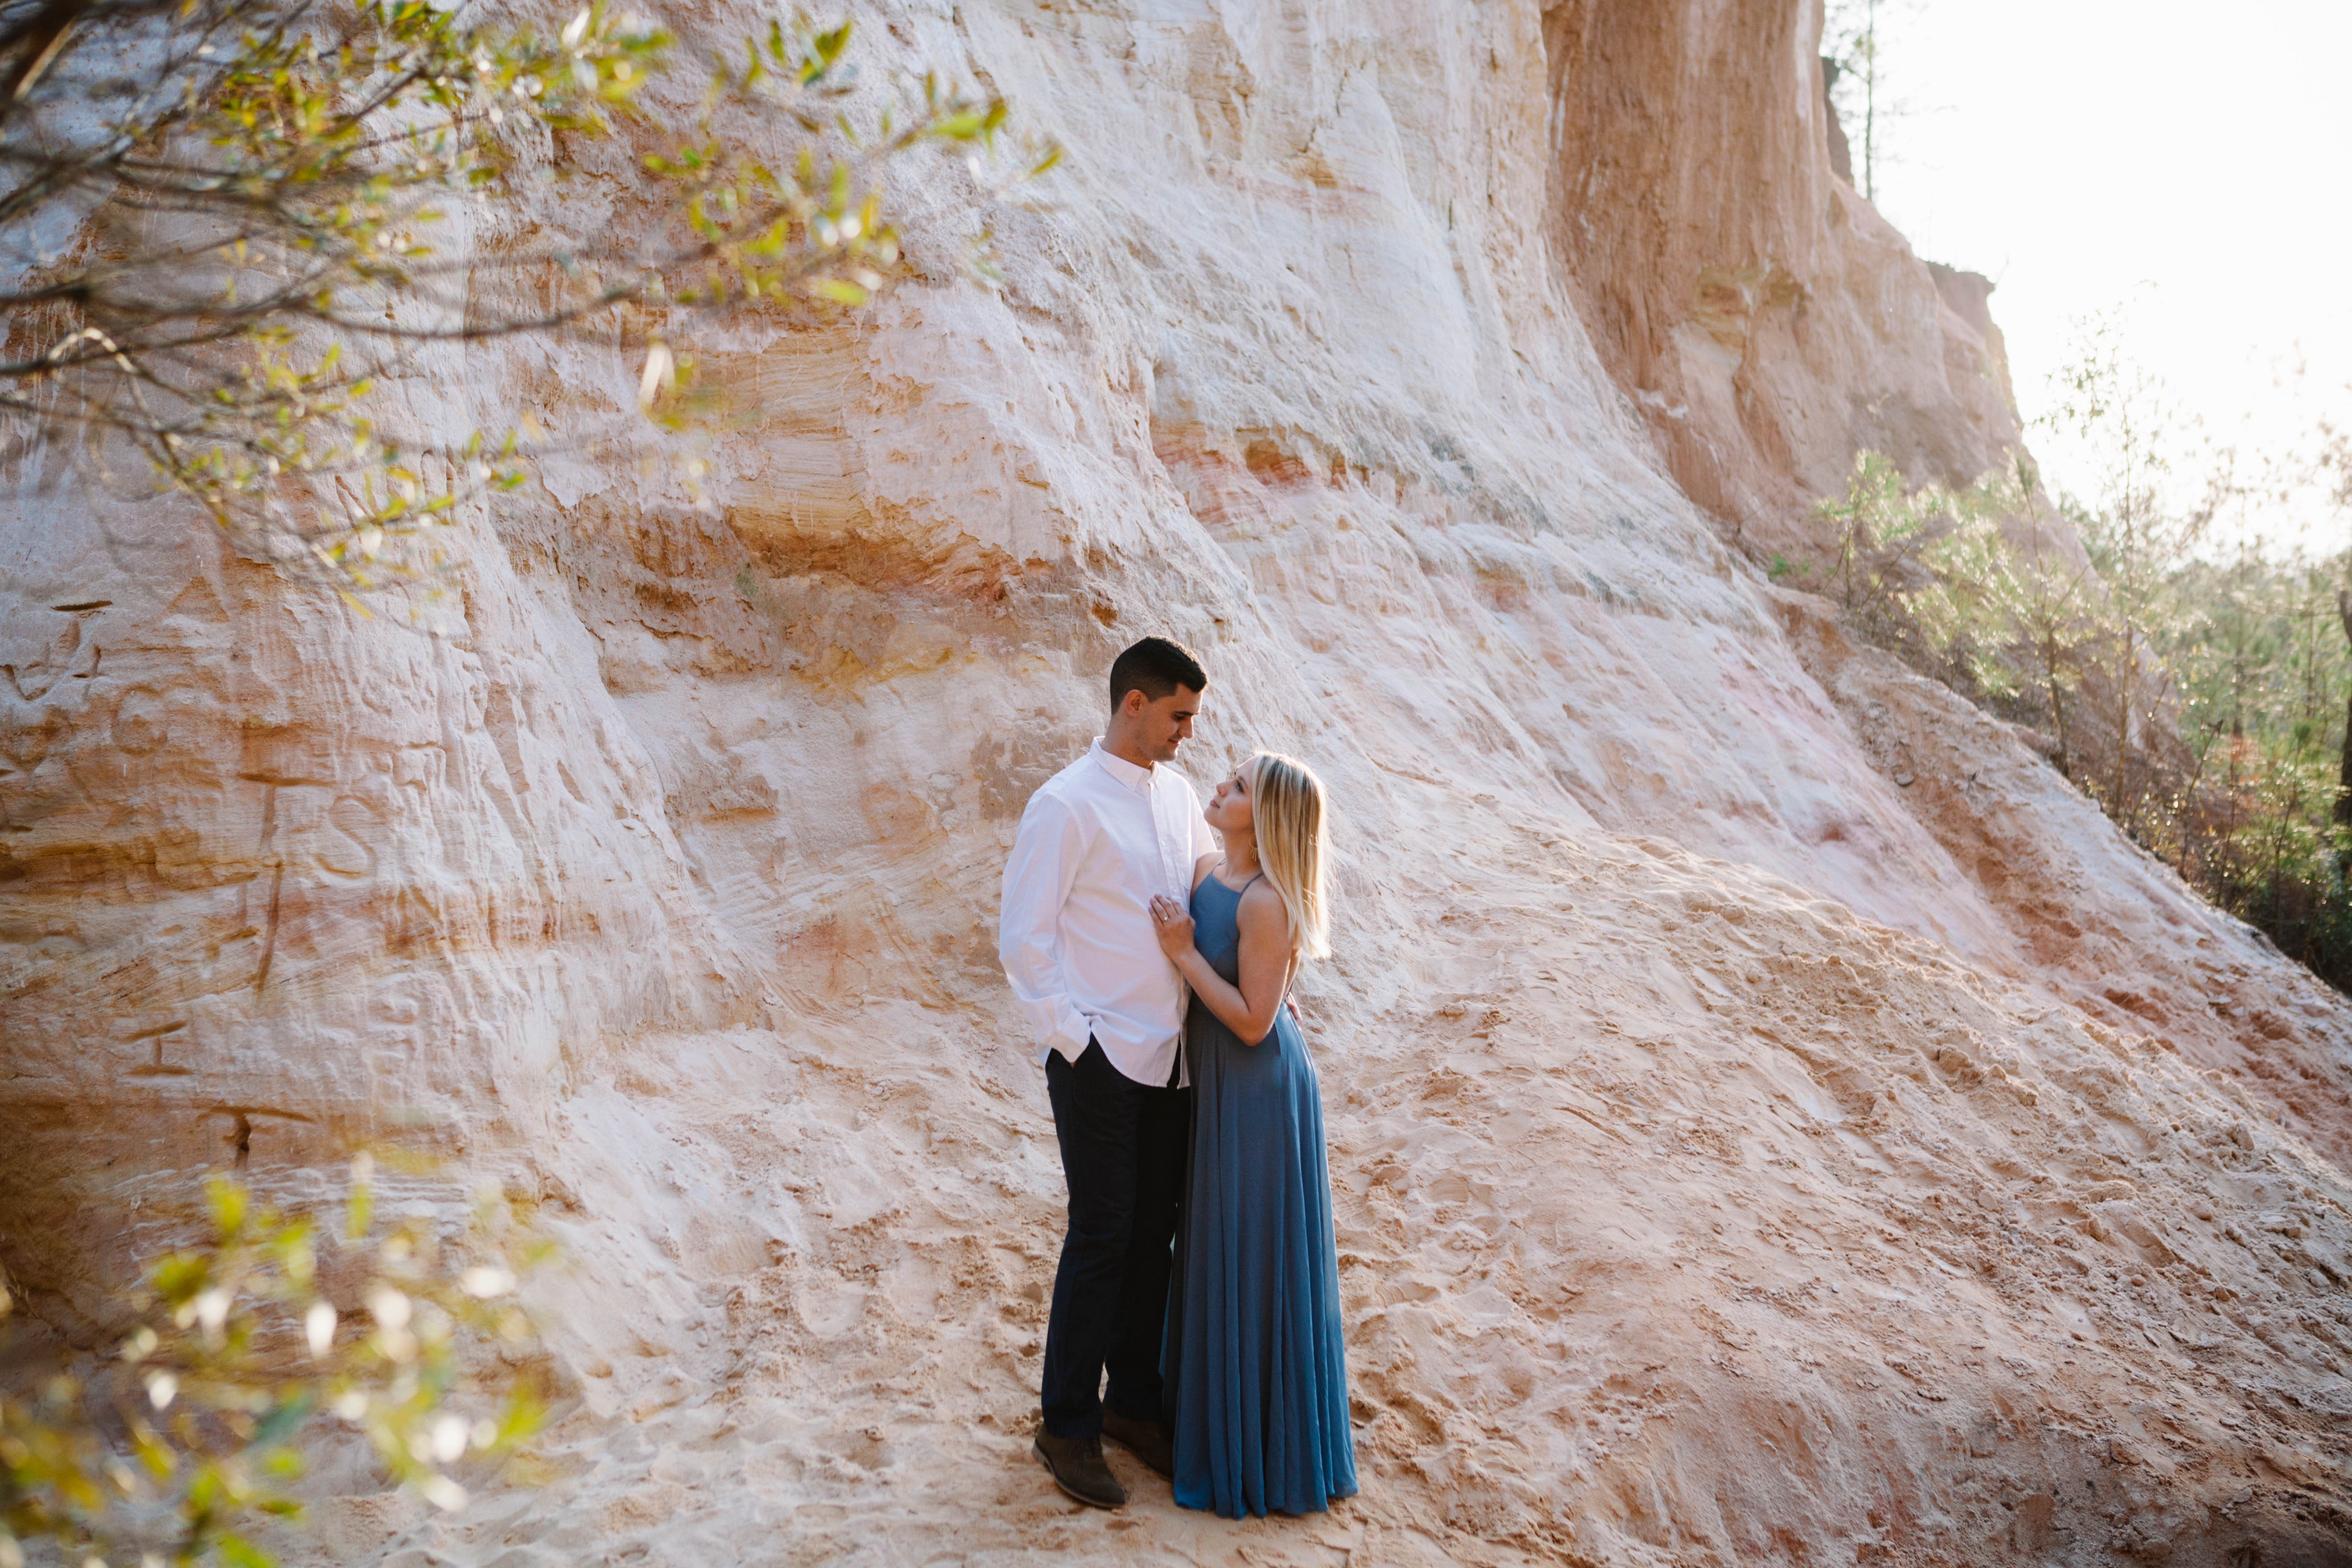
[[1173, 923]]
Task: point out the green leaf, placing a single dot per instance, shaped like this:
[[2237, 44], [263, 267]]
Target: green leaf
[[241, 1553], [179, 1276], [284, 1417]]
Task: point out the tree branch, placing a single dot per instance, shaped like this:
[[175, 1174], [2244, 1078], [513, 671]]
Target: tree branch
[[33, 47]]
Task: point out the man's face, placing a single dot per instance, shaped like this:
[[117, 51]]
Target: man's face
[[1163, 726]]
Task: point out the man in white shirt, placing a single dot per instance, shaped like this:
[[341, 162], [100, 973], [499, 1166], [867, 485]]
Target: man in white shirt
[[1096, 842]]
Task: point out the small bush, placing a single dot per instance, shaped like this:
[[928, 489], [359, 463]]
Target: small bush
[[248, 1351]]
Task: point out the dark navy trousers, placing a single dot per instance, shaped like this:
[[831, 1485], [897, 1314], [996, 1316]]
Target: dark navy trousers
[[1124, 1147]]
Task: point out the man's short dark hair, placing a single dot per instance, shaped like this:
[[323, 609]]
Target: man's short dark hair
[[1154, 666]]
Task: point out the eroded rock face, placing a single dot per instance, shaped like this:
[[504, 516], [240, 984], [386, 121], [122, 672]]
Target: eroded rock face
[[1762, 316], [1741, 1153]]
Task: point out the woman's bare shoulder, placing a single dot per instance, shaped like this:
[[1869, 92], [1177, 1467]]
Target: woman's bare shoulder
[[1262, 905]]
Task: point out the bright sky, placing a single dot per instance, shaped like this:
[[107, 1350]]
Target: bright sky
[[2185, 161]]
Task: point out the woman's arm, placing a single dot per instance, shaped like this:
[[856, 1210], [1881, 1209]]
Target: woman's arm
[[1249, 1009], [1205, 864]]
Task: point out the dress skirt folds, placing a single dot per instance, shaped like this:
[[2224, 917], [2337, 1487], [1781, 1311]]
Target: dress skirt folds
[[1255, 1369]]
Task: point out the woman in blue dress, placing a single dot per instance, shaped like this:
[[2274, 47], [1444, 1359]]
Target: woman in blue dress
[[1254, 1364]]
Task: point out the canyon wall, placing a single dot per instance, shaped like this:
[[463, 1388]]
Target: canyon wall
[[1774, 1117], [1763, 318]]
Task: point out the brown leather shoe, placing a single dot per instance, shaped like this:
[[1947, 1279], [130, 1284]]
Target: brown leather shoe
[[1145, 1439], [1078, 1470]]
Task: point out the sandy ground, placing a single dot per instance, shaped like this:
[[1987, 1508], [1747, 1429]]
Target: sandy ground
[[1684, 1218]]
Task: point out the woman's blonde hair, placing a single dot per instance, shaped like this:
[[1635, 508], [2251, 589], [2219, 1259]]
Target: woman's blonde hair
[[1286, 808]]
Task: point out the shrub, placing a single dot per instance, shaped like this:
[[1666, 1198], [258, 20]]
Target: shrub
[[252, 1349]]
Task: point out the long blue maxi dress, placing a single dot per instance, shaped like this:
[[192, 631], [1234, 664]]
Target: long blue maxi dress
[[1255, 1362]]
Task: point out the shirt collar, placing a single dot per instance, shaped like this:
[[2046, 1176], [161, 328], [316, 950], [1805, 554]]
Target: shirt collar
[[1126, 773]]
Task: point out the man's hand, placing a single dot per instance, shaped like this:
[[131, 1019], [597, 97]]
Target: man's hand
[[1173, 923]]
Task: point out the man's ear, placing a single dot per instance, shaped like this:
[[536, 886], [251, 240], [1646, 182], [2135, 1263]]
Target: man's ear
[[1134, 701]]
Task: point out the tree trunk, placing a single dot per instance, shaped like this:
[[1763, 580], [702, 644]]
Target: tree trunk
[[2128, 684], [1870, 102], [2344, 772], [2049, 657]]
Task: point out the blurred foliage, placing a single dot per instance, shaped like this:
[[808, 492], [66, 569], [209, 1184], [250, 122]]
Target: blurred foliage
[[226, 226], [1976, 588], [246, 1352], [2259, 648], [2194, 680]]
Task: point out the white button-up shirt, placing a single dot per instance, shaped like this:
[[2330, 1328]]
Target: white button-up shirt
[[1095, 842]]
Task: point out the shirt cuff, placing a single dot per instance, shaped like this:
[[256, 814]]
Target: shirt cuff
[[1072, 1033]]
